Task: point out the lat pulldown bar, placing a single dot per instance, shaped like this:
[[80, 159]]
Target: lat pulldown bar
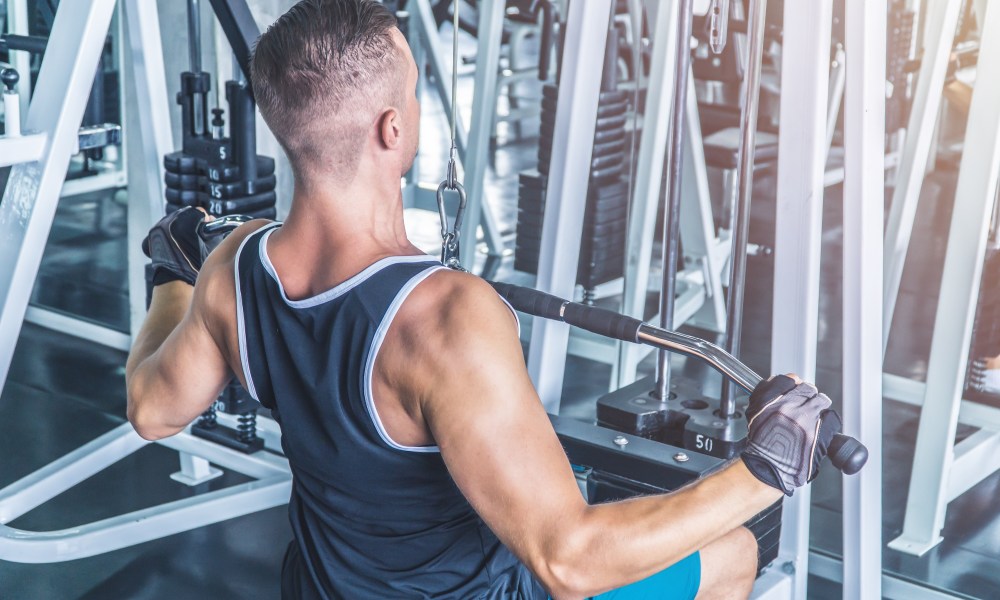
[[847, 454]]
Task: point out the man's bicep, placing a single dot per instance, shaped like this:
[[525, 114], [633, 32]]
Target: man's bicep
[[497, 440], [178, 381]]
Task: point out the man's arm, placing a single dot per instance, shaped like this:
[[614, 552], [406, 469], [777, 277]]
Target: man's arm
[[177, 366], [473, 391], [175, 369]]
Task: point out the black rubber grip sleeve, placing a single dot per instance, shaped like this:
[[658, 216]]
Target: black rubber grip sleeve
[[597, 320], [532, 302], [602, 322]]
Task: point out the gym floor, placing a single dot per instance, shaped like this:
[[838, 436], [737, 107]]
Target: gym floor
[[63, 392]]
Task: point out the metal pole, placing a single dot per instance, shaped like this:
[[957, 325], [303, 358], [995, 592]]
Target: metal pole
[[672, 216], [566, 191], [194, 35], [741, 226], [476, 156], [147, 143], [864, 201], [802, 153], [648, 180]]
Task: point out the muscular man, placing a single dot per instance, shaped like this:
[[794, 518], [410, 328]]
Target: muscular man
[[423, 462]]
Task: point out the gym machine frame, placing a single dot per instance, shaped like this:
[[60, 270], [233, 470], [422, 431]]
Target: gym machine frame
[[26, 214], [946, 469], [802, 161], [18, 17], [473, 143]]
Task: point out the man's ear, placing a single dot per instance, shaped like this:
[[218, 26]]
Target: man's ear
[[390, 128]]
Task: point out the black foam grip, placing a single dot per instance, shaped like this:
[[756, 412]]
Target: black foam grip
[[531, 301], [602, 322], [847, 454]]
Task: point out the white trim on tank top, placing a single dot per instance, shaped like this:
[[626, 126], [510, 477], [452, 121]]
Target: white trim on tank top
[[341, 288], [380, 334], [241, 333]]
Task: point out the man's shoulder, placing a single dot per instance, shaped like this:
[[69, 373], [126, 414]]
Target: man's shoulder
[[450, 307], [215, 292]]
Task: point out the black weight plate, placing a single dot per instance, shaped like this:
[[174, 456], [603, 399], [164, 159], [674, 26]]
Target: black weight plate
[[237, 189], [597, 163], [178, 162], [228, 173], [238, 206], [613, 188], [604, 176], [537, 187], [599, 214], [613, 146], [182, 197], [532, 179], [601, 136], [180, 182], [614, 123], [589, 252], [552, 91], [604, 137], [607, 109], [608, 148]]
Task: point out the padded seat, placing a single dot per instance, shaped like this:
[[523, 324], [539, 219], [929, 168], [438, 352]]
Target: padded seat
[[722, 148]]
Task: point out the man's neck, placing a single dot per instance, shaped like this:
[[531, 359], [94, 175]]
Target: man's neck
[[333, 232]]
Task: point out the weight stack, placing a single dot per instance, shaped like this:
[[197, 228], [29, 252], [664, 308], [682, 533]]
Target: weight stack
[[602, 248], [218, 186], [986, 331]]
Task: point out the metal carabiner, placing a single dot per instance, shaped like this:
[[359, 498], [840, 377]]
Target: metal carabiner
[[718, 25], [450, 236]]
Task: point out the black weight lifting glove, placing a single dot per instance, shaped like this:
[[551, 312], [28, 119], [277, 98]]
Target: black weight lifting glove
[[175, 247], [791, 426]]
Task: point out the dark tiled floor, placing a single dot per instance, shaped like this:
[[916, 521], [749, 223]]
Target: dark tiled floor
[[63, 392]]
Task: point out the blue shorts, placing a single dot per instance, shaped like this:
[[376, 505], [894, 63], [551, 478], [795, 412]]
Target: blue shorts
[[680, 580]]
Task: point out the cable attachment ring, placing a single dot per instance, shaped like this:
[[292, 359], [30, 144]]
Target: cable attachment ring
[[450, 237]]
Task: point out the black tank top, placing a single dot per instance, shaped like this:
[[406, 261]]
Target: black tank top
[[371, 518]]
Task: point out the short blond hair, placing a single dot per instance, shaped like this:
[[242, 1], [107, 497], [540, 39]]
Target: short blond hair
[[320, 75]]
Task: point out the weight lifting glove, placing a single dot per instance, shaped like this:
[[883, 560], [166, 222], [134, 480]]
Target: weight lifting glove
[[791, 427], [175, 247]]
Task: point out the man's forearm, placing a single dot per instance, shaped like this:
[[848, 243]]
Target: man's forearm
[[627, 541], [169, 305]]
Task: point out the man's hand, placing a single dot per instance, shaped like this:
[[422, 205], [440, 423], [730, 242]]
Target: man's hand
[[175, 247], [791, 426]]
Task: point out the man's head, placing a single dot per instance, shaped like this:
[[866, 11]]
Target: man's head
[[335, 81]]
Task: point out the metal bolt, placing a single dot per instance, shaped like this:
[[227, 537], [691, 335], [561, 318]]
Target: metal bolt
[[788, 567], [621, 441], [681, 457]]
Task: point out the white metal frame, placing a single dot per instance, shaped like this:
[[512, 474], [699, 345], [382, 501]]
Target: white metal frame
[[562, 227], [271, 487], [939, 34], [472, 143], [701, 297], [947, 470], [26, 214], [802, 153], [864, 198], [32, 193]]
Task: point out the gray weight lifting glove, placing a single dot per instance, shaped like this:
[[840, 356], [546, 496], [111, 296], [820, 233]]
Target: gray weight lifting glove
[[175, 247], [791, 427]]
